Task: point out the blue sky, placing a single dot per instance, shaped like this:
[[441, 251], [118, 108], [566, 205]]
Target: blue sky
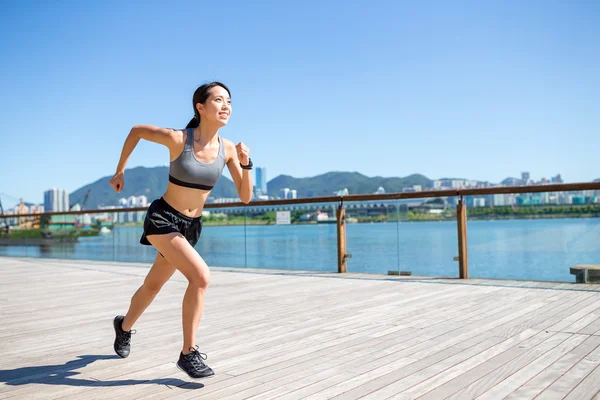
[[480, 90]]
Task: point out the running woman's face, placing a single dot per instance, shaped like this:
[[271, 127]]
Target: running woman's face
[[217, 108]]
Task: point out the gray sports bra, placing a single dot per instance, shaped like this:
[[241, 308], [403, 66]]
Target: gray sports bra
[[190, 172]]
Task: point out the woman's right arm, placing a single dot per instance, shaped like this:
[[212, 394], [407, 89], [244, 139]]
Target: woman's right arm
[[164, 136]]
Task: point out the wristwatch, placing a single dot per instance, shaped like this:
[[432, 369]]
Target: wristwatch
[[249, 166]]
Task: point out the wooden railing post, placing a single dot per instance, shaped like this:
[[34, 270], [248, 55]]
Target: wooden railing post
[[461, 222], [341, 238]]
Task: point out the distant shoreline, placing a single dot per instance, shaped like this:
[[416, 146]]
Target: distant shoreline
[[36, 241], [418, 219]]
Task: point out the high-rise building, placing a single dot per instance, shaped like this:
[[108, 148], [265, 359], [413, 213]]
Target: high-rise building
[[557, 179], [63, 200], [56, 200], [283, 193], [50, 199], [142, 201], [293, 194], [500, 200], [525, 177], [261, 179]]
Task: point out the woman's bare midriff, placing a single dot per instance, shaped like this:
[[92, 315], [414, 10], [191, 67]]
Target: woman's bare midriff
[[188, 201]]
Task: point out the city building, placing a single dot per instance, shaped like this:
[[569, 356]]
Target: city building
[[475, 201], [221, 200], [36, 208], [512, 182], [261, 180], [343, 192], [500, 200], [142, 201], [557, 179], [21, 208], [132, 216], [260, 196], [134, 201], [81, 219], [441, 184], [56, 200]]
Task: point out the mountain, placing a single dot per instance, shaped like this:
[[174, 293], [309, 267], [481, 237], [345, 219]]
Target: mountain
[[356, 183], [150, 182]]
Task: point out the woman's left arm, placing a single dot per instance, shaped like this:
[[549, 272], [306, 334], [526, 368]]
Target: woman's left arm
[[239, 155]]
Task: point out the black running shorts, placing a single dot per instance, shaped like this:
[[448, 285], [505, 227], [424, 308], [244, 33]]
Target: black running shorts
[[161, 219]]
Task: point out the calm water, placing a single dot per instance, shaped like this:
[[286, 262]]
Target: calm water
[[516, 249]]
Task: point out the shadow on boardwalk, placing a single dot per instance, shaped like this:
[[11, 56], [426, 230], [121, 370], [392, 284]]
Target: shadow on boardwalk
[[64, 374]]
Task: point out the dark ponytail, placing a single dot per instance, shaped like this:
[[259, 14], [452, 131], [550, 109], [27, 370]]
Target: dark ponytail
[[200, 96], [194, 123]]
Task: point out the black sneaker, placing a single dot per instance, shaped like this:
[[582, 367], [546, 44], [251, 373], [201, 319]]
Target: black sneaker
[[122, 338], [193, 364]]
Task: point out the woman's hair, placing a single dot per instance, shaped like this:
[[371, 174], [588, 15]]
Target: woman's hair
[[200, 96]]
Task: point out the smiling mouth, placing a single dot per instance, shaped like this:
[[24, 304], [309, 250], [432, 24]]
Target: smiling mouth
[[224, 114]]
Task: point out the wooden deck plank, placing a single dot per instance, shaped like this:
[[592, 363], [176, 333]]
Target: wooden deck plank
[[524, 374], [542, 381], [502, 370], [593, 328], [294, 334], [588, 388], [399, 355], [418, 371], [469, 371], [561, 387], [460, 368], [485, 362]]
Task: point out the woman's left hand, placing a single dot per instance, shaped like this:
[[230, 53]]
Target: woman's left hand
[[243, 153]]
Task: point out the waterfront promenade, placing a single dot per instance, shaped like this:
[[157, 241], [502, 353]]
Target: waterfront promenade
[[275, 334]]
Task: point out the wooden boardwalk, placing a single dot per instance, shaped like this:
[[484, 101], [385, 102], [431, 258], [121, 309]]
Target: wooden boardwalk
[[294, 335]]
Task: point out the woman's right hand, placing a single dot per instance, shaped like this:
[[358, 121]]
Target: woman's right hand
[[118, 181]]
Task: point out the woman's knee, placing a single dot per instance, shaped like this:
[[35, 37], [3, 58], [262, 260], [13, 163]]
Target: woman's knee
[[200, 279], [182, 256]]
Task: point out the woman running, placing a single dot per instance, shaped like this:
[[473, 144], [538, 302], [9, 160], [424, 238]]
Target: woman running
[[173, 222]]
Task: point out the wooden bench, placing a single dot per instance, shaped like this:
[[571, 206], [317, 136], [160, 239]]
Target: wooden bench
[[586, 273]]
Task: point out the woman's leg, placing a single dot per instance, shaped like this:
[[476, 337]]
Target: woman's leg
[[179, 253], [159, 274]]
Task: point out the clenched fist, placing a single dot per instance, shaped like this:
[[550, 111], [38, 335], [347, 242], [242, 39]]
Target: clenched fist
[[243, 153], [118, 181]]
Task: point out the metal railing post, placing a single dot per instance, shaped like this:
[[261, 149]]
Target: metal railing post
[[461, 222], [341, 238]]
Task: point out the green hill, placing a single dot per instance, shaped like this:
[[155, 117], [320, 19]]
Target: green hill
[[356, 183], [152, 182]]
